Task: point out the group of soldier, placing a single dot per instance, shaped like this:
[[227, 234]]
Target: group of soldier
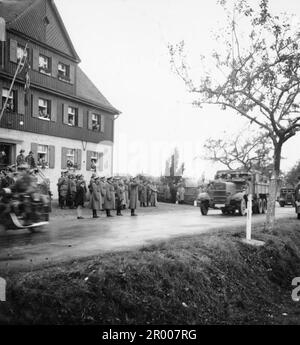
[[26, 160], [105, 194]]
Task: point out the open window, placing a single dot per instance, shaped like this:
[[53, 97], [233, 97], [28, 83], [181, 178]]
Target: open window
[[44, 109], [72, 116], [43, 156], [44, 65], [22, 53], [63, 72], [11, 104]]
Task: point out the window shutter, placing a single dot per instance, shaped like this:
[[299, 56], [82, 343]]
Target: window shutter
[[89, 156], [54, 64], [90, 124], [53, 109], [65, 113], [34, 149], [102, 123], [72, 74], [21, 105], [35, 59], [80, 117], [78, 158], [35, 106], [51, 156], [13, 50], [64, 152], [100, 161]]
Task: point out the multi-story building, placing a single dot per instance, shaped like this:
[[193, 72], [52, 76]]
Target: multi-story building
[[64, 119]]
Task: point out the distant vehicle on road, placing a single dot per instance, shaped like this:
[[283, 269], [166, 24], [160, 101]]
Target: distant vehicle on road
[[286, 196], [230, 189]]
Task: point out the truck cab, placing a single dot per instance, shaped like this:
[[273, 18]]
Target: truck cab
[[286, 196], [229, 192]]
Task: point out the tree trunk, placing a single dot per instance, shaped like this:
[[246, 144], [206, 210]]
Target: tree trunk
[[270, 221]]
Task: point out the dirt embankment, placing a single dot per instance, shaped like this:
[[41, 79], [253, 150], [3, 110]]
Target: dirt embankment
[[206, 279]]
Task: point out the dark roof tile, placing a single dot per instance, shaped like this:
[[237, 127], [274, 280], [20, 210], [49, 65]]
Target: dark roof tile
[[11, 9]]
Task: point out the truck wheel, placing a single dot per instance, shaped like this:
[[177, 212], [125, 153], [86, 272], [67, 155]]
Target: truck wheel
[[242, 208], [281, 203], [264, 206], [203, 209], [260, 206]]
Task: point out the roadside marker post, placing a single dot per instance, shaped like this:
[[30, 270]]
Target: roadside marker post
[[248, 239], [249, 218], [2, 290]]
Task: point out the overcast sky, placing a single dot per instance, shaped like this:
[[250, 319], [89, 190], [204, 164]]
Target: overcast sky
[[123, 48]]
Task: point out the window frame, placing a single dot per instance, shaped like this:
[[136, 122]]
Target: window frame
[[13, 97], [42, 69], [63, 76], [71, 153], [98, 124], [20, 46], [75, 115], [46, 163], [48, 109]]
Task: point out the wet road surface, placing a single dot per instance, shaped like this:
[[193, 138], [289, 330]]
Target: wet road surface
[[68, 238]]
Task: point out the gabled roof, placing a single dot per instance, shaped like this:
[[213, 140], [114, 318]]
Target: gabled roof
[[11, 9], [40, 20], [85, 89], [27, 17]]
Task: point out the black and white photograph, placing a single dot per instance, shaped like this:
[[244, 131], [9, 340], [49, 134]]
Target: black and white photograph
[[149, 166]]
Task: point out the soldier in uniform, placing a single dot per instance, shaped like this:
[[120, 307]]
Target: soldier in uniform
[[30, 160], [63, 190], [153, 195], [109, 199], [133, 189], [21, 158], [120, 196], [143, 194], [95, 198]]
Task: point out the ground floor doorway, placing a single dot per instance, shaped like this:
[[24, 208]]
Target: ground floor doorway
[[7, 154]]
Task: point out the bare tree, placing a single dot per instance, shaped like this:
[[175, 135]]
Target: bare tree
[[258, 76], [250, 153], [292, 175]]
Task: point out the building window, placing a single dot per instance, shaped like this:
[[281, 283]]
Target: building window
[[63, 72], [96, 122], [42, 156], [72, 116], [11, 102], [44, 65], [44, 109], [70, 158], [21, 52]]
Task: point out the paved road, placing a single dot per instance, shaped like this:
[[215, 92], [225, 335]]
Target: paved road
[[66, 237]]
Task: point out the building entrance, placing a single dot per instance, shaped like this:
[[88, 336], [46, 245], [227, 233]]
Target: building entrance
[[7, 154]]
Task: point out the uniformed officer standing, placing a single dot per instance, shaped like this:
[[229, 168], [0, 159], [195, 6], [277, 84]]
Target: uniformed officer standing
[[109, 200], [133, 189]]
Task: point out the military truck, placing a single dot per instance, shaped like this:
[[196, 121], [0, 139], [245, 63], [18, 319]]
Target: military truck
[[286, 196], [229, 192]]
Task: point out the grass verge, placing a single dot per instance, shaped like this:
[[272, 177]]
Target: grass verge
[[210, 278]]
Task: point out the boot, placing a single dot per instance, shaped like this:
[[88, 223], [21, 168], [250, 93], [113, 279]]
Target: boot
[[95, 214], [108, 213], [132, 213]]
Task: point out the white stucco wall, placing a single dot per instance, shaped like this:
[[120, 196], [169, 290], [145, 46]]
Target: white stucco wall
[[24, 139]]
